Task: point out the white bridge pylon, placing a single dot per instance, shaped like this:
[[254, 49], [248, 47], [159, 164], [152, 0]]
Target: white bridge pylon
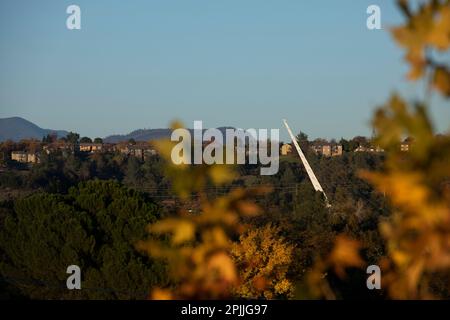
[[309, 170]]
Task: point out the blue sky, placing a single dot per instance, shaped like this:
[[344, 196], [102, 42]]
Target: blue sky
[[249, 64]]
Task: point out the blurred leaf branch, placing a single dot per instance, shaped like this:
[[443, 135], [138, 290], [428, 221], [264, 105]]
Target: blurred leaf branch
[[417, 182], [196, 244]]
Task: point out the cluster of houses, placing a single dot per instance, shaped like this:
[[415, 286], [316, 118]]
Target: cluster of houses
[[335, 150], [139, 150], [144, 150], [326, 150]]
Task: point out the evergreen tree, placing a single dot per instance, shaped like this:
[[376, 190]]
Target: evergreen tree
[[95, 227]]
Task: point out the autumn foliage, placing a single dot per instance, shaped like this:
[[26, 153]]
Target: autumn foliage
[[417, 183], [427, 29], [213, 254], [263, 258], [196, 243], [417, 234]]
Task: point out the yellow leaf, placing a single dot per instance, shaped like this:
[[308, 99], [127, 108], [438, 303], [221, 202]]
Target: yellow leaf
[[224, 266], [440, 34], [345, 254], [400, 258], [418, 64], [221, 174], [164, 147], [161, 294], [182, 230], [442, 80]]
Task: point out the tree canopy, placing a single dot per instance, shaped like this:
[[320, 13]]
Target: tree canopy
[[94, 226]]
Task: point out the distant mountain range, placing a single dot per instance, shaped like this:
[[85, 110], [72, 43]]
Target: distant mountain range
[[17, 128], [140, 135], [148, 134]]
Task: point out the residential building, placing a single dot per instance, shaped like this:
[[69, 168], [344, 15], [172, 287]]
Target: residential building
[[369, 149], [33, 158], [405, 146], [328, 150], [140, 151], [25, 157], [336, 150], [19, 156], [65, 147], [91, 147]]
